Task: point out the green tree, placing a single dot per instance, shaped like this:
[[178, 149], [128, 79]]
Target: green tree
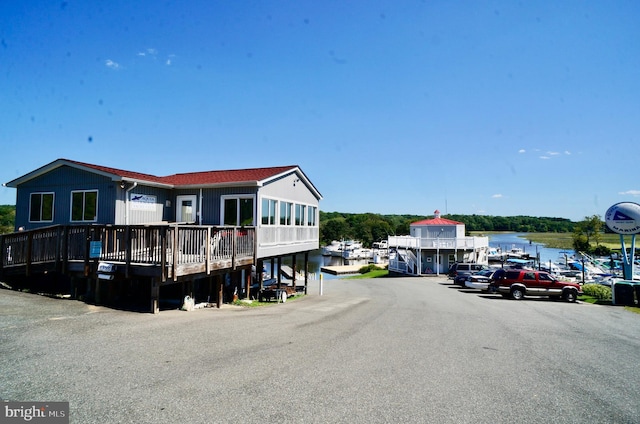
[[586, 232], [334, 229], [7, 218]]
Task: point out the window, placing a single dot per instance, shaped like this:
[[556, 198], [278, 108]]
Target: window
[[84, 205], [311, 216], [300, 209], [285, 213], [41, 207], [269, 211], [238, 211], [544, 277]]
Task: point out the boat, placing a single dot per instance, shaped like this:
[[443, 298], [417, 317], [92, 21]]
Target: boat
[[495, 254], [332, 249], [357, 253], [380, 249], [337, 248], [517, 253]]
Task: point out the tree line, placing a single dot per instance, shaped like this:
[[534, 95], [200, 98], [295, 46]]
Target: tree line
[[370, 227], [7, 218]]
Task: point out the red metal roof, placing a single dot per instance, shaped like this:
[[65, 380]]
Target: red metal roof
[[119, 172], [229, 176], [197, 178], [436, 221]]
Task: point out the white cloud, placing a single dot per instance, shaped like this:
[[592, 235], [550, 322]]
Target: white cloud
[[566, 152], [111, 64], [634, 193], [553, 153], [522, 151], [545, 157], [497, 196]]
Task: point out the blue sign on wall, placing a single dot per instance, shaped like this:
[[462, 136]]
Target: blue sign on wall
[[95, 249]]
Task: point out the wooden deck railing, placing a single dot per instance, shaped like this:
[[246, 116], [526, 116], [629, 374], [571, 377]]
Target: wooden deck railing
[[176, 250]]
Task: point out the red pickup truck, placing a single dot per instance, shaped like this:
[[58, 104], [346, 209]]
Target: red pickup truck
[[519, 283]]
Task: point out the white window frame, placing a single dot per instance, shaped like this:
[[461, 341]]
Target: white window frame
[[312, 216], [288, 218], [270, 201], [299, 209], [84, 201], [53, 205], [238, 197]]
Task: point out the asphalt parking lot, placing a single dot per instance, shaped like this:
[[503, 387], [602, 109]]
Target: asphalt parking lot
[[367, 351]]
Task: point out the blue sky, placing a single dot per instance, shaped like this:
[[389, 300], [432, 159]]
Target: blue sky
[[393, 107]]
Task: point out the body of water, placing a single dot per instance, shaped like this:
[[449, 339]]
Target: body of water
[[505, 241]]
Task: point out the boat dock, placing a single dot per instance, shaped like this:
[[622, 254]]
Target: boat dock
[[341, 269]]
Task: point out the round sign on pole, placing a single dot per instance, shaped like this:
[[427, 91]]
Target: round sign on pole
[[623, 218]]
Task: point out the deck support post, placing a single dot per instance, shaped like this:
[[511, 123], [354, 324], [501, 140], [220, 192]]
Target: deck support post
[[272, 267], [97, 297], [259, 268], [247, 283], [219, 290], [279, 272], [210, 290], [155, 296], [295, 269], [306, 271]]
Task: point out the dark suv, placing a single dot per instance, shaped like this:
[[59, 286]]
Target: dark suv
[[466, 268], [518, 283]]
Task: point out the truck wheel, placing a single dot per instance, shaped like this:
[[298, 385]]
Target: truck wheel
[[517, 293], [570, 296], [283, 296]]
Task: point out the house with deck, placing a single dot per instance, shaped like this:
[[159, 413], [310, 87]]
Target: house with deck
[[433, 245], [107, 225]]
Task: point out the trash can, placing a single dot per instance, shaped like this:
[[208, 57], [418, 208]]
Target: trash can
[[623, 293]]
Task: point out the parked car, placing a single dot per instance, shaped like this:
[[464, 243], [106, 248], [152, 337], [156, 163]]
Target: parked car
[[468, 268], [520, 283], [461, 277], [479, 280]]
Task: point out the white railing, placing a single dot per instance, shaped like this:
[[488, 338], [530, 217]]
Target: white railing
[[409, 242], [287, 235]]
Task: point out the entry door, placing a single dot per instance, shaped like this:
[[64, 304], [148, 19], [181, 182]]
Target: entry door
[[186, 208]]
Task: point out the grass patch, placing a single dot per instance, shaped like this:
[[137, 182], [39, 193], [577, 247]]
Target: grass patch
[[594, 300], [377, 273]]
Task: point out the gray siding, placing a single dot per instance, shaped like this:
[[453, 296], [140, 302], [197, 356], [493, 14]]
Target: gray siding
[[211, 201], [287, 188], [139, 213], [62, 181]]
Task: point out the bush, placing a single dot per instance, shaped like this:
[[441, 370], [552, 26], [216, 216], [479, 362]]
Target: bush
[[601, 250], [368, 268], [597, 291]]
